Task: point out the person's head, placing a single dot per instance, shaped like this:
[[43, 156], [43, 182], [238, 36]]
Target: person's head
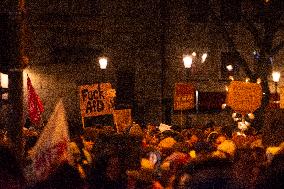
[[193, 139], [30, 142], [220, 139], [28, 123], [151, 127], [186, 134], [206, 173], [212, 137], [65, 176], [113, 169], [11, 174], [207, 131]]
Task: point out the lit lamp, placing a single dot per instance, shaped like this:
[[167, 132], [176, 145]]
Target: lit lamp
[[187, 62], [203, 58], [4, 86], [103, 63], [276, 78], [230, 69]]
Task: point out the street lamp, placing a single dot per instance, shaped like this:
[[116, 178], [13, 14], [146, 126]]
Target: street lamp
[[103, 65], [276, 78], [229, 67], [187, 62], [4, 87], [3, 80], [203, 58]]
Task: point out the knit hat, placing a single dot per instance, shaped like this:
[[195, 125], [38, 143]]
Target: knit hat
[[228, 147], [167, 142], [136, 130]]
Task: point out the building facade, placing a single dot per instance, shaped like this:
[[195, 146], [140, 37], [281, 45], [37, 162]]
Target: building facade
[[144, 41]]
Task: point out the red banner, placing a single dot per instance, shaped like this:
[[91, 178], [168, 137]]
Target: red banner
[[35, 106]]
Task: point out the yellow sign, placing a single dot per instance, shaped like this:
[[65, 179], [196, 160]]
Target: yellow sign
[[97, 99], [281, 97], [122, 119], [184, 96], [244, 97]]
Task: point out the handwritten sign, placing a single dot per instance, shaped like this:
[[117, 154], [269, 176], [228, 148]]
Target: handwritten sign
[[244, 97], [97, 99], [184, 96]]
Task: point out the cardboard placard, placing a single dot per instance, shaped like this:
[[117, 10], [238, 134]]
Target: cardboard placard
[[244, 97], [96, 99], [122, 119], [184, 96]]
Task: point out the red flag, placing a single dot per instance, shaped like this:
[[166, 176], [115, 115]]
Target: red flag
[[35, 106]]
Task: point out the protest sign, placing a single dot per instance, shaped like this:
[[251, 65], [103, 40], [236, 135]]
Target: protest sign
[[184, 96]]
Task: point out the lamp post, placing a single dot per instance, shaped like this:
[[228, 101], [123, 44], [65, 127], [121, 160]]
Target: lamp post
[[187, 62], [103, 65], [276, 78], [4, 88], [230, 69]]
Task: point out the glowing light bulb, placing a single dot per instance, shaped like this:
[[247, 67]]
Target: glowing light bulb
[[204, 56]]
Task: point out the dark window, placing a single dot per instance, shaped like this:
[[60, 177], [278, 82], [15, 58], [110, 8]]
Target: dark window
[[231, 10], [198, 10], [227, 59]]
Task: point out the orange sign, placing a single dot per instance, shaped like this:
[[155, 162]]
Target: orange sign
[[184, 96], [97, 99], [281, 97], [244, 97]]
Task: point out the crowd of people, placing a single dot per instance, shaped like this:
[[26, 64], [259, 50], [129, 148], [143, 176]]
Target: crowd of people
[[211, 156]]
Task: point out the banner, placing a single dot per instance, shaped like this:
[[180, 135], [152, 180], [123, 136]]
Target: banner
[[97, 99], [52, 147], [35, 107], [122, 119], [244, 97], [184, 96]]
